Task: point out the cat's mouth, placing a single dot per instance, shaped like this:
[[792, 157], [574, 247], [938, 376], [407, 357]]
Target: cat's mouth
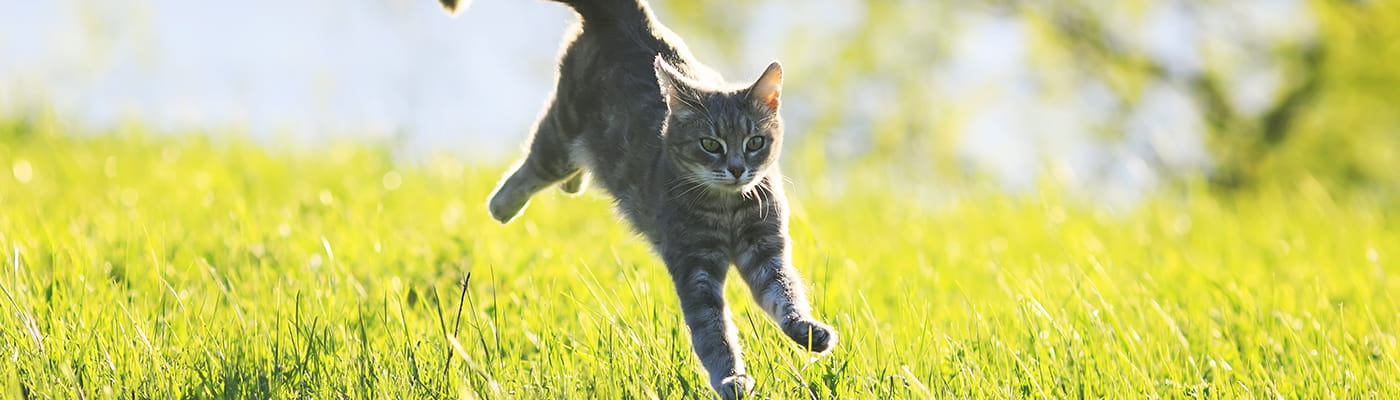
[[730, 185], [722, 183]]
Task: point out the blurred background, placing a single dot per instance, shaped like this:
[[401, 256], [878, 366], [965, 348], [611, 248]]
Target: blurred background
[[1114, 100]]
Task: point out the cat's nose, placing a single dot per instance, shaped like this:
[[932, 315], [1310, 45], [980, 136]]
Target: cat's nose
[[736, 171]]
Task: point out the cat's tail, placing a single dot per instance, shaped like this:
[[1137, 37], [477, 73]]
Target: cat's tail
[[455, 7], [592, 11]]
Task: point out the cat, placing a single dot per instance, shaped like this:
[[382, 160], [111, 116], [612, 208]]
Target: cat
[[692, 163]]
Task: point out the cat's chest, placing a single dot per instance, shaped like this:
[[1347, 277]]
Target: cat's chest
[[733, 221], [715, 221]]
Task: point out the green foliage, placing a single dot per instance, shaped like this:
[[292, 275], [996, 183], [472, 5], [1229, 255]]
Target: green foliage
[[1351, 135], [1329, 119], [185, 267]]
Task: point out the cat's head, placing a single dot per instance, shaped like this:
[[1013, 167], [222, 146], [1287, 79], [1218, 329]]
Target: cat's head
[[724, 138]]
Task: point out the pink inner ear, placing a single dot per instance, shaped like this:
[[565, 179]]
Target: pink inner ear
[[769, 87], [771, 101], [768, 95]]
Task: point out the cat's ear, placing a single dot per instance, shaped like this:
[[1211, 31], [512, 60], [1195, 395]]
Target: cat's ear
[[766, 92], [679, 93]]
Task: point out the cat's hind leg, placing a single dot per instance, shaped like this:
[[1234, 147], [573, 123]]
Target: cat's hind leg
[[548, 162]]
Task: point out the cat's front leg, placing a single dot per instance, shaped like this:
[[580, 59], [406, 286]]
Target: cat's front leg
[[698, 273], [765, 261]]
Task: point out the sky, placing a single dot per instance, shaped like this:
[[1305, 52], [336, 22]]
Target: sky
[[400, 71]]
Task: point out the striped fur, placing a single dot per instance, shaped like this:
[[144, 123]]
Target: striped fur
[[675, 146]]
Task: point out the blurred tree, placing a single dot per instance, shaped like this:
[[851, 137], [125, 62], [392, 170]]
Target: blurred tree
[[883, 59], [1352, 135], [1327, 115], [1331, 116]]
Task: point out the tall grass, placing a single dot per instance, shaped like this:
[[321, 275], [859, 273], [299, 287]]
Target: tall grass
[[139, 266]]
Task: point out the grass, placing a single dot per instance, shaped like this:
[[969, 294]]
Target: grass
[[187, 267]]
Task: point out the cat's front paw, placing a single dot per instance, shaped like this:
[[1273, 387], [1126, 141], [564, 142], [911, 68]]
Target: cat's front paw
[[812, 335], [734, 387]]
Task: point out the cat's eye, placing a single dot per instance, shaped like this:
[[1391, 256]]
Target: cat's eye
[[711, 145], [755, 143]]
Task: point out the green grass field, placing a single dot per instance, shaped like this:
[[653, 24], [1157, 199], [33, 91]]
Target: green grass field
[[139, 266]]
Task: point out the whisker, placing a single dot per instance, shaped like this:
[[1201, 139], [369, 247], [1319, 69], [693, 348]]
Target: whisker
[[695, 184], [762, 210], [683, 180], [757, 195]]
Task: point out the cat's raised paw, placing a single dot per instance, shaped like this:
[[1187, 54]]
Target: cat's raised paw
[[812, 335], [734, 387]]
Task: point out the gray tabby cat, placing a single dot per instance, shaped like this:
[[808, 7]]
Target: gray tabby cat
[[692, 162]]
